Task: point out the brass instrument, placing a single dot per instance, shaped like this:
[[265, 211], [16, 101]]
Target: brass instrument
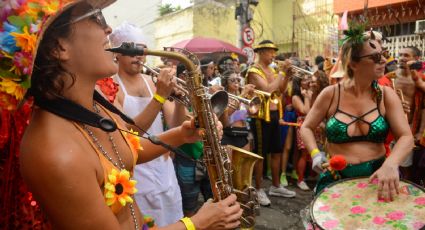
[[220, 169], [219, 99], [253, 103], [298, 70]]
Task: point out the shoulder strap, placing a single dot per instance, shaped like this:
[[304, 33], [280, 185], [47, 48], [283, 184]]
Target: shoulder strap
[[339, 96], [122, 85]]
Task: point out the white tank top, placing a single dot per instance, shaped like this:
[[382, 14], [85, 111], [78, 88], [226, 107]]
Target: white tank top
[[158, 190]]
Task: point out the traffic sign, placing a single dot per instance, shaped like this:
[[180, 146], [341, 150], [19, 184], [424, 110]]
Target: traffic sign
[[248, 36]]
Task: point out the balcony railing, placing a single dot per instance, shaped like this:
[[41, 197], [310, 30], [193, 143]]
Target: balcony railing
[[398, 42]]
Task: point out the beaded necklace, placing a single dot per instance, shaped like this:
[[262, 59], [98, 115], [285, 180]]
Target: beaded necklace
[[120, 164]]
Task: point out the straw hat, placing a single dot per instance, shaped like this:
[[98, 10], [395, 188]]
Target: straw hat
[[266, 44], [22, 26]]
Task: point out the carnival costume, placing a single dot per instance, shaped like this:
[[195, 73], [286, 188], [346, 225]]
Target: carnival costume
[[22, 27]]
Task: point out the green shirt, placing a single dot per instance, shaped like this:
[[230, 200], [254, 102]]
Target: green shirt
[[194, 150]]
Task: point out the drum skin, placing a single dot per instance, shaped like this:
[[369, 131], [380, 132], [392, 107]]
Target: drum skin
[[353, 204]]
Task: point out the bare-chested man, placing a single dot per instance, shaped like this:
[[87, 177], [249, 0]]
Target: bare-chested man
[[409, 85]]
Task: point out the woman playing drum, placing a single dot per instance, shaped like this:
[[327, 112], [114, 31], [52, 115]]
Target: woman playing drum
[[359, 115]]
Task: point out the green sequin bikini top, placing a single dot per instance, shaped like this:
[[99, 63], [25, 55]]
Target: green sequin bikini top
[[336, 130]]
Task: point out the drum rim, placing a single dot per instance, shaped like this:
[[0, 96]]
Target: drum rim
[[347, 179]]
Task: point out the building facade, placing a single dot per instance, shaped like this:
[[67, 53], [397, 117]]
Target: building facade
[[396, 19]]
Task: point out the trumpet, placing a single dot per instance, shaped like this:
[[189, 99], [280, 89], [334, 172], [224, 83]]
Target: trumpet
[[253, 104], [274, 96], [296, 69]]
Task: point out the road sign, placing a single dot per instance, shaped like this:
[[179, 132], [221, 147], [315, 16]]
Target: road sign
[[248, 36], [249, 52]]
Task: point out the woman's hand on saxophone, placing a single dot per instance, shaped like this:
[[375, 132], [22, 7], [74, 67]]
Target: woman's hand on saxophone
[[224, 214], [191, 134]]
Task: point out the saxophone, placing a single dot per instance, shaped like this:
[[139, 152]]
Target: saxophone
[[221, 170]]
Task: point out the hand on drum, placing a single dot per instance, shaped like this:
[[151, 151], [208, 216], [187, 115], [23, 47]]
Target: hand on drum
[[388, 182]]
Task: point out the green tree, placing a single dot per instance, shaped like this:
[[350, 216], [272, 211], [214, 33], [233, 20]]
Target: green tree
[[167, 8]]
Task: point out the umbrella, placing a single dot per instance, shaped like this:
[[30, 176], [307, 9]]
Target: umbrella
[[202, 46]]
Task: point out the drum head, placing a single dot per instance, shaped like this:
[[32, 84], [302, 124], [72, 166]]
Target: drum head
[[353, 204]]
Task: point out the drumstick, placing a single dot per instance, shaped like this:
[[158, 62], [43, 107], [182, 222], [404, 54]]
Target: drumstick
[[283, 123]]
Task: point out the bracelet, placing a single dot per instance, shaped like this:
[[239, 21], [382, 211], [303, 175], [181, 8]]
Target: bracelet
[[159, 98], [188, 223], [314, 152]]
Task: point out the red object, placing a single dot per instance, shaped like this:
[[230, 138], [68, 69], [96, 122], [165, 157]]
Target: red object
[[338, 162], [202, 45], [109, 88]]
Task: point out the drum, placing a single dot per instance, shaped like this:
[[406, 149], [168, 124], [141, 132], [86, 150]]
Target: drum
[[353, 204]]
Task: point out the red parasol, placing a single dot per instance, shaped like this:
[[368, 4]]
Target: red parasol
[[203, 45]]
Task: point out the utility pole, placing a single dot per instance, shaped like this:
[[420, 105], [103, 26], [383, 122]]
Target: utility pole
[[242, 14]]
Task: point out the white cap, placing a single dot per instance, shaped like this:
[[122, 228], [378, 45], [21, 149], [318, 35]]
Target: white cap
[[126, 32]]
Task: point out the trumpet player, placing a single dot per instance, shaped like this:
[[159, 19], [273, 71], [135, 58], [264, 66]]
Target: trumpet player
[[409, 85], [159, 193], [267, 136], [235, 127]]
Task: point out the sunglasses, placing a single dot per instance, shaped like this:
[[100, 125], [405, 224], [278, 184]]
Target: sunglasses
[[95, 15], [376, 57], [233, 80]]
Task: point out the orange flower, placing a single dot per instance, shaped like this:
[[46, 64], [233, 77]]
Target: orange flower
[[134, 139], [25, 40], [12, 88], [119, 187]]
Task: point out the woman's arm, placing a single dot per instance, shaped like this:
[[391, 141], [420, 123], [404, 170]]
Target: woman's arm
[[388, 175], [186, 133], [316, 115], [300, 105]]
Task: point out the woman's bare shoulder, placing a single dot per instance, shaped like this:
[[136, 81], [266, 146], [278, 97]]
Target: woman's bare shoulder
[[53, 145]]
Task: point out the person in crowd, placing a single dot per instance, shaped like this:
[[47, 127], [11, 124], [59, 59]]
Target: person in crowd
[[226, 64], [359, 115], [77, 154], [408, 84], [158, 191], [208, 71], [265, 127], [191, 173], [302, 102], [289, 115], [236, 130]]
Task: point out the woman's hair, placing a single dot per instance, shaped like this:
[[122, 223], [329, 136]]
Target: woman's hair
[[47, 77], [225, 79], [296, 86], [322, 80]]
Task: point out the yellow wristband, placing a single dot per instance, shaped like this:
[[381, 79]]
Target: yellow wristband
[[159, 98], [188, 223], [282, 73], [314, 152]]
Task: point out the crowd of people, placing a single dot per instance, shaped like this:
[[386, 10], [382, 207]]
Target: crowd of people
[[86, 165]]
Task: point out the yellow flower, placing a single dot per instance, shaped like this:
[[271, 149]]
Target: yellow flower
[[25, 40], [50, 7], [12, 88], [134, 140], [119, 187]]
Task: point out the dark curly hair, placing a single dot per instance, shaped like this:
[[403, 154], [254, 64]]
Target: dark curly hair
[[47, 77], [322, 80]]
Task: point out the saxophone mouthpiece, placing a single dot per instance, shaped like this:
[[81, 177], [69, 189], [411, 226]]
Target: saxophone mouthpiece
[[128, 49]]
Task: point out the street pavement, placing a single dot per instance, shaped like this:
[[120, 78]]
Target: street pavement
[[284, 213]]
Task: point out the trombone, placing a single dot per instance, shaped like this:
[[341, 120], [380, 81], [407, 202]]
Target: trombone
[[297, 69]]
